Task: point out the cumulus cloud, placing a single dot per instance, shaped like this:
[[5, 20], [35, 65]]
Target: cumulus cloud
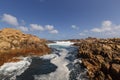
[[106, 26], [74, 27], [36, 27], [49, 27], [106, 30], [23, 28], [12, 20], [54, 31]]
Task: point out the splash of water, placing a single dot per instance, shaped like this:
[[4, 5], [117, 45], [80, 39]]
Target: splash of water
[[61, 64]]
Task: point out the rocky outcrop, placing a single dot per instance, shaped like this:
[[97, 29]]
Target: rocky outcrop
[[14, 43], [101, 57]]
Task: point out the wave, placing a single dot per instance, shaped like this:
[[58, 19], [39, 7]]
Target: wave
[[61, 64], [62, 43], [9, 71]]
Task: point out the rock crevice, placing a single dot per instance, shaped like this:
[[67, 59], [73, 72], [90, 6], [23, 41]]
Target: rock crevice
[[101, 57]]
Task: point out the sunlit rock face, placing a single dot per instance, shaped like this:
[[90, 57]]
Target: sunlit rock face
[[14, 43], [61, 64], [101, 57]]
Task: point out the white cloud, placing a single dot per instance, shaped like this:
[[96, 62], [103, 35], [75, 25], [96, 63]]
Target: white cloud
[[49, 27], [12, 20], [82, 34], [23, 28], [54, 31], [74, 27], [107, 30], [96, 30], [36, 27], [106, 23], [106, 26]]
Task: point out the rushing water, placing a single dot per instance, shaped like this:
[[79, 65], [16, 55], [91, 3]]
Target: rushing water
[[61, 64]]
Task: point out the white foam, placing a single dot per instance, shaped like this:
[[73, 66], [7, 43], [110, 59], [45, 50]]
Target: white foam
[[15, 68], [63, 43], [62, 72], [48, 56]]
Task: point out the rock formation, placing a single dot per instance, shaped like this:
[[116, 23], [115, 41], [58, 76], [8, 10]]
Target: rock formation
[[101, 57], [14, 43]]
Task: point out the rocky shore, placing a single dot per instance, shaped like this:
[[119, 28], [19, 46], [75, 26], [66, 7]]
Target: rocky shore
[[101, 57], [14, 43]]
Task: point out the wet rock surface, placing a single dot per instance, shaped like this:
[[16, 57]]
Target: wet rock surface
[[101, 57]]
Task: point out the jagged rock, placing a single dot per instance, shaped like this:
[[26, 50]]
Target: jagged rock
[[101, 57], [15, 44], [99, 75], [105, 66], [116, 60], [108, 77], [115, 71], [115, 68]]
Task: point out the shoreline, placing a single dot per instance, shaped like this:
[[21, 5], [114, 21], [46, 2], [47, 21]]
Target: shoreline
[[14, 43], [101, 57]]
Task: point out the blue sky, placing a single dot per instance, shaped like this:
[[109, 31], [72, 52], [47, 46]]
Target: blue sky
[[62, 19]]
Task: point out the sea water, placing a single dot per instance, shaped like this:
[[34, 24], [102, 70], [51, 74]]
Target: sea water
[[61, 64]]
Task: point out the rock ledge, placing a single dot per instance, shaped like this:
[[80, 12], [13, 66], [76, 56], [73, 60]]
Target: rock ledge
[[14, 43], [101, 57]]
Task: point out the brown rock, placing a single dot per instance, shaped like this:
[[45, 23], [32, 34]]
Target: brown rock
[[15, 44], [115, 71], [118, 46], [116, 60], [115, 68], [99, 75], [91, 68], [5, 45], [108, 77], [105, 67], [106, 47], [101, 57]]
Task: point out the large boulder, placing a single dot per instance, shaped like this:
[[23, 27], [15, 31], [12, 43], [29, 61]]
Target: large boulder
[[101, 57], [14, 43]]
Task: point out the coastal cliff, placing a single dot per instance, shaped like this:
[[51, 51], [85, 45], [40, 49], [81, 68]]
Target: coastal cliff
[[101, 57], [14, 43]]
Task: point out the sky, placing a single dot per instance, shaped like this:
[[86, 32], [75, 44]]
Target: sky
[[62, 19]]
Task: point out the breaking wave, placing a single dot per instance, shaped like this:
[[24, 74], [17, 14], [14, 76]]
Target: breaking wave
[[61, 64]]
